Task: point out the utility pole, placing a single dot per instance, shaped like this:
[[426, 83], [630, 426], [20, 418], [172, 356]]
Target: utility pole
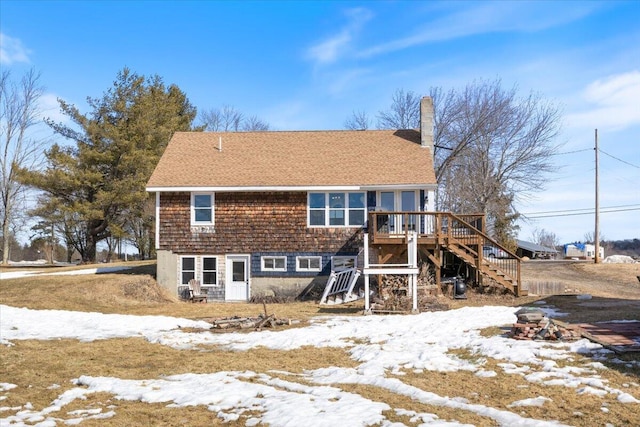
[[597, 231]]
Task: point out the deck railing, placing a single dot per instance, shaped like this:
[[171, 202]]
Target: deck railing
[[341, 283], [426, 224]]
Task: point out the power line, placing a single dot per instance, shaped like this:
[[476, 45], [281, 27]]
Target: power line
[[583, 213], [572, 152], [620, 160], [582, 209], [601, 151]]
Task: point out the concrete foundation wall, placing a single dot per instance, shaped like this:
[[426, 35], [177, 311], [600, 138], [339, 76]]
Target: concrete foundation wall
[[286, 286], [167, 271]]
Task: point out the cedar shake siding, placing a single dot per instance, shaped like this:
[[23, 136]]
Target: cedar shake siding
[[250, 222], [258, 184]]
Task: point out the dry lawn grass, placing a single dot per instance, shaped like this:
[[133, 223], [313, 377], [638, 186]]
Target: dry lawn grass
[[35, 366]]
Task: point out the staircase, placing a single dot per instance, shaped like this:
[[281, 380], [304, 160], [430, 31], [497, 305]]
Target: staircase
[[504, 272], [461, 235]]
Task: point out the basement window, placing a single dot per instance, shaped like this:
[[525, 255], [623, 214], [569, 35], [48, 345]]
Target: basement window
[[209, 271], [187, 269], [308, 263], [273, 263]]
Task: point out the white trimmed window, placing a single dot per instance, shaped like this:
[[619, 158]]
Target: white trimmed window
[[309, 263], [202, 208], [273, 263], [337, 209], [209, 271], [187, 269], [339, 263], [204, 268]]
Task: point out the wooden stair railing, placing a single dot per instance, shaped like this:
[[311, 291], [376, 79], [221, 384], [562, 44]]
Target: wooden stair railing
[[505, 271], [459, 234], [489, 269]]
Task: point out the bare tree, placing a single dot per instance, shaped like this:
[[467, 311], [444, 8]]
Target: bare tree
[[510, 139], [253, 123], [404, 112], [228, 119], [589, 237], [225, 119], [492, 146], [359, 120], [19, 111], [545, 238], [502, 143], [139, 229]]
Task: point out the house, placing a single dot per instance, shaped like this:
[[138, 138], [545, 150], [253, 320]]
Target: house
[[534, 251], [581, 251], [257, 213]]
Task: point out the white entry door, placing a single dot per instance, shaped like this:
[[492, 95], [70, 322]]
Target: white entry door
[[237, 286]]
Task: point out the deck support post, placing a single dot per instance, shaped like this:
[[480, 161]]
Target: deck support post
[[412, 253], [367, 291]]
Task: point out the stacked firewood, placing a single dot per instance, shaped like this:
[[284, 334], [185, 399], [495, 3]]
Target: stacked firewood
[[398, 284]]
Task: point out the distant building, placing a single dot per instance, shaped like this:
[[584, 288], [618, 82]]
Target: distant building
[[581, 250], [532, 250]]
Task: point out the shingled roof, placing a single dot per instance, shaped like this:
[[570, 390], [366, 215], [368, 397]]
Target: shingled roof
[[293, 159]]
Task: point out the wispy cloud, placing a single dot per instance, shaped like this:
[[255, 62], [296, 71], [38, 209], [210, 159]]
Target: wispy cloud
[[610, 102], [490, 17], [50, 108], [335, 46], [12, 50]]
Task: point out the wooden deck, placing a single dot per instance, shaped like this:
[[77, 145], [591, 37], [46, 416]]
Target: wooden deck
[[442, 235], [621, 337]]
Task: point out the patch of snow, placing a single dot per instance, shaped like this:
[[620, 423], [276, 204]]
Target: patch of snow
[[23, 263], [5, 275], [553, 312], [627, 398], [619, 259], [536, 401], [591, 390], [24, 323]]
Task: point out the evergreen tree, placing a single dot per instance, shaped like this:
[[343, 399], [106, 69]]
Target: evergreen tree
[[96, 187]]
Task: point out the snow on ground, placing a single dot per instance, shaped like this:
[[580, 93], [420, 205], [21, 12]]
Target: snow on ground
[[385, 347], [4, 275], [619, 259]]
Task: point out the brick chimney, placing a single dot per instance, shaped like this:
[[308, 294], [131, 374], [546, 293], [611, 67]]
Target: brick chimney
[[426, 122]]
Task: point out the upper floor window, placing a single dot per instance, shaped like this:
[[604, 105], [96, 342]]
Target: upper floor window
[[337, 209], [202, 208]]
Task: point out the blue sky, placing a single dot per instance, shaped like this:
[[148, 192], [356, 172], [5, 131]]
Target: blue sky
[[308, 65]]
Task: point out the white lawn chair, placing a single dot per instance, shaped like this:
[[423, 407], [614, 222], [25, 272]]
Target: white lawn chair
[[195, 292]]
